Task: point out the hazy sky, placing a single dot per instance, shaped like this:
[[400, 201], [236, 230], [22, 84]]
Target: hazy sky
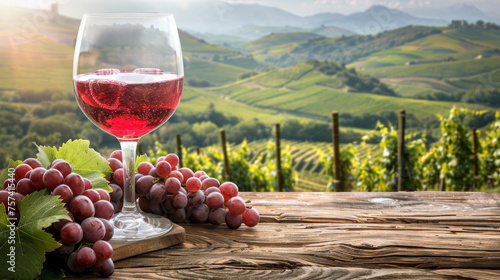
[[300, 7]]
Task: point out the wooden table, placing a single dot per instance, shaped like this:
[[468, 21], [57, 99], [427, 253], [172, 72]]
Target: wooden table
[[405, 235]]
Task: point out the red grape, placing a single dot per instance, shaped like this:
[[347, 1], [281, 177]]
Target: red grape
[[71, 233], [63, 166], [173, 159], [114, 164], [236, 205], [144, 204], [36, 178], [176, 174], [65, 192], [102, 249], [178, 216], [196, 198], [81, 207], [160, 159], [214, 200], [250, 217], [163, 168], [75, 182], [144, 168], [104, 194], [117, 154], [204, 177], [186, 174], [168, 204], [65, 249], [93, 229], [199, 214], [199, 173], [118, 176], [180, 200], [143, 185], [86, 257], [211, 190], [105, 267], [25, 187], [233, 221], [210, 182], [93, 195], [52, 178], [88, 184], [116, 194], [193, 184], [173, 185], [217, 216], [109, 229], [21, 170], [156, 208], [33, 162], [228, 190], [157, 193], [104, 209], [73, 264]]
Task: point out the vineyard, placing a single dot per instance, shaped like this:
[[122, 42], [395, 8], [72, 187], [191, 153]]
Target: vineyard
[[449, 164]]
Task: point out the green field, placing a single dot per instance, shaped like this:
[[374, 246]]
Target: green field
[[277, 39]]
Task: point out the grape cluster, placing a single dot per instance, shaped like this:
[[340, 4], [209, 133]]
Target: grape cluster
[[84, 236], [186, 196]]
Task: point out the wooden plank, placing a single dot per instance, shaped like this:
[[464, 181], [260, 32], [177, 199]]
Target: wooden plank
[[404, 235], [123, 250], [451, 208], [294, 246]]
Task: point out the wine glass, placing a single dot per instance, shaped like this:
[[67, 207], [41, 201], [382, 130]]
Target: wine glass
[[128, 79]]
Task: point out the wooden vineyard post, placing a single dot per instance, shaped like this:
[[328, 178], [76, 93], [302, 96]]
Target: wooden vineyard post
[[227, 172], [179, 148], [278, 158], [198, 151], [401, 149], [476, 167], [337, 182]]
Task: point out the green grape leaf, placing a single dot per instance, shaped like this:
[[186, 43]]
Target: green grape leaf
[[6, 174], [141, 158], [46, 155], [30, 242], [98, 182], [86, 162]]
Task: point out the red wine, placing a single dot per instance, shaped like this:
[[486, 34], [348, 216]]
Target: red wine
[[128, 104]]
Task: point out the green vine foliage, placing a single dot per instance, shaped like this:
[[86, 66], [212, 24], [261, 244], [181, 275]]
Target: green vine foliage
[[414, 149], [257, 176], [347, 162], [269, 168], [454, 155], [490, 155]]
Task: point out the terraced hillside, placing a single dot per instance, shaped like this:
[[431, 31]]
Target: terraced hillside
[[303, 90], [311, 176]]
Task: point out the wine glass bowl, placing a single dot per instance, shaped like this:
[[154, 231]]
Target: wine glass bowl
[[128, 80]]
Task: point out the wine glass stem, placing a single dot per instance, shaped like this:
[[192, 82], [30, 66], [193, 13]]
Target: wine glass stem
[[128, 156]]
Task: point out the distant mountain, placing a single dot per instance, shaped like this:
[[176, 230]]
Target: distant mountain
[[459, 11], [323, 19], [223, 18], [379, 18], [252, 21]]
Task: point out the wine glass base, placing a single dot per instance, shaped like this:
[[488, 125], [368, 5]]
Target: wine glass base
[[135, 225]]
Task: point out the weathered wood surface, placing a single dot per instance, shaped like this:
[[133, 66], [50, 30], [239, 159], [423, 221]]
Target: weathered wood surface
[[123, 250], [420, 235]]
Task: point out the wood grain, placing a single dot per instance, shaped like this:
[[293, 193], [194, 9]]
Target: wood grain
[[123, 250], [415, 235]]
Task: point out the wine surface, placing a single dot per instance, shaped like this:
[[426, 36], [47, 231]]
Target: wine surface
[[128, 104]]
